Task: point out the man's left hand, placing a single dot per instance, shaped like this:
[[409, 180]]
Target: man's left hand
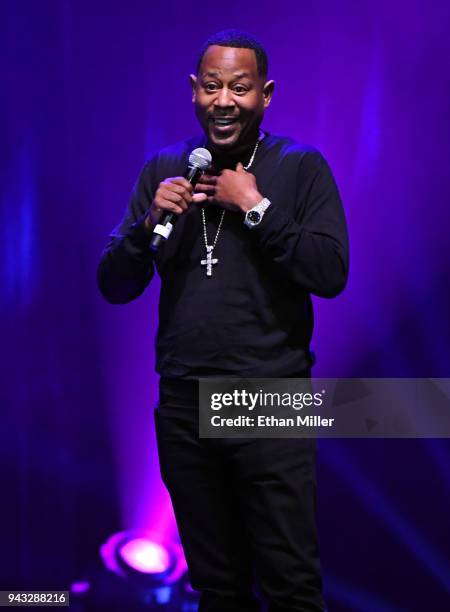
[[234, 190]]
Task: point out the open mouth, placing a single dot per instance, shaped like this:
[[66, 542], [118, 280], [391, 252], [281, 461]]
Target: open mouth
[[223, 121]]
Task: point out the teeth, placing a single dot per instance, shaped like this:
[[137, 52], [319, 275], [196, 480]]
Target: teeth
[[223, 121]]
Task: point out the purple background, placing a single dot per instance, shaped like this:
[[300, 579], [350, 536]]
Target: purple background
[[91, 89]]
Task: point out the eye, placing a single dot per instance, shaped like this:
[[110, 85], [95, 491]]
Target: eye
[[239, 89], [210, 86]]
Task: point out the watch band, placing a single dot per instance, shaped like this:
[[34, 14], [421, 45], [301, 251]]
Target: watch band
[[253, 217]]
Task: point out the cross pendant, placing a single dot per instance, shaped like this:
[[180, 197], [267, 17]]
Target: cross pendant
[[209, 262]]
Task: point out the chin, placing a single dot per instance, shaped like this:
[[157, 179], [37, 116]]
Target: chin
[[225, 145], [228, 143]]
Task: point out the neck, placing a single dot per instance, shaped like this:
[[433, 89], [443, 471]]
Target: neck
[[228, 158], [241, 149]]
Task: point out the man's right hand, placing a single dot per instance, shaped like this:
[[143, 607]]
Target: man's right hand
[[173, 195]]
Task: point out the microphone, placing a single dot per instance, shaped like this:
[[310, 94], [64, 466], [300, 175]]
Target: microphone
[[199, 160]]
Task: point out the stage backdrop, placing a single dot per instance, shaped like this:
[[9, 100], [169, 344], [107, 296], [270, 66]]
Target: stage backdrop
[[90, 90]]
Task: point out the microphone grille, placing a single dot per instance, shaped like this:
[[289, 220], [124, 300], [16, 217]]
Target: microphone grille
[[200, 158]]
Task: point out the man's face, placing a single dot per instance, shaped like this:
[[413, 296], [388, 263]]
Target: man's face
[[230, 96]]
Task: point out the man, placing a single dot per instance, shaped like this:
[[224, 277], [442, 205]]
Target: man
[[269, 213]]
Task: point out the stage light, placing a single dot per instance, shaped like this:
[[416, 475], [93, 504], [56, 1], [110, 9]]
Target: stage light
[[139, 573], [145, 556], [80, 588], [136, 555]]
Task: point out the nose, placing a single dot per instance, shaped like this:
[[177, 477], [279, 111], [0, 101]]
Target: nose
[[224, 98]]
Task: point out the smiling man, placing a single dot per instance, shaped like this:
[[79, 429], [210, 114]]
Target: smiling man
[[263, 231], [231, 93]]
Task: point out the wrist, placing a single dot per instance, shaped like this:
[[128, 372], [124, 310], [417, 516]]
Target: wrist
[[152, 218], [149, 222], [250, 200]]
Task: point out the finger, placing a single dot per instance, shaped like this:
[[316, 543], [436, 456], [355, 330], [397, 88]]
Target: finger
[[175, 187], [209, 179], [240, 167], [199, 197], [173, 195], [180, 180], [176, 198], [171, 207], [208, 201], [201, 188]]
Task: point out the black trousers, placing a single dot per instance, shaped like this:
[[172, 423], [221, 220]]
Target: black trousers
[[244, 508]]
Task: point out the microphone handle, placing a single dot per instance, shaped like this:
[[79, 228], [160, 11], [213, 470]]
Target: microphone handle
[[164, 228], [156, 239]]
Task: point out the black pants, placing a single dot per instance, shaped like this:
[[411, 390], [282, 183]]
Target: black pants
[[243, 507]]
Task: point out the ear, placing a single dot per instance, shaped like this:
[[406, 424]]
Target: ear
[[268, 89], [193, 82]]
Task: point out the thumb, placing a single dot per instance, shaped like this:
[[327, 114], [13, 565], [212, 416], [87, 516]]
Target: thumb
[[240, 167], [199, 197]]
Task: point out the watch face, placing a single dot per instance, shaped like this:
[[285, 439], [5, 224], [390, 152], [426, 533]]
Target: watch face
[[254, 216]]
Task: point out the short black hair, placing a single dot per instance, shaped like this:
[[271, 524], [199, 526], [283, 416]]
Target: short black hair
[[240, 40]]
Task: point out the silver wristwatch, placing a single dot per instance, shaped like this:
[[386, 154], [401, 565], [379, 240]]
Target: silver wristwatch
[[253, 217]]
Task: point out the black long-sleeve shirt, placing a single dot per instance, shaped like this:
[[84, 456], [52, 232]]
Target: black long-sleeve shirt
[[253, 317]]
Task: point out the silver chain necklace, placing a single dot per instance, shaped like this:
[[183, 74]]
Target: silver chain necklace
[[210, 261]]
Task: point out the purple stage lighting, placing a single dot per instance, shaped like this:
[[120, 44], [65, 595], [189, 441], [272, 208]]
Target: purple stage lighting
[[145, 556], [80, 587], [136, 554]]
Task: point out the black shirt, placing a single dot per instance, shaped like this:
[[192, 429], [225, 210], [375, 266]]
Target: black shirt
[[253, 317]]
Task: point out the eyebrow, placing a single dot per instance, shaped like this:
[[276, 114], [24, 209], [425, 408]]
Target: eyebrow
[[217, 75]]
